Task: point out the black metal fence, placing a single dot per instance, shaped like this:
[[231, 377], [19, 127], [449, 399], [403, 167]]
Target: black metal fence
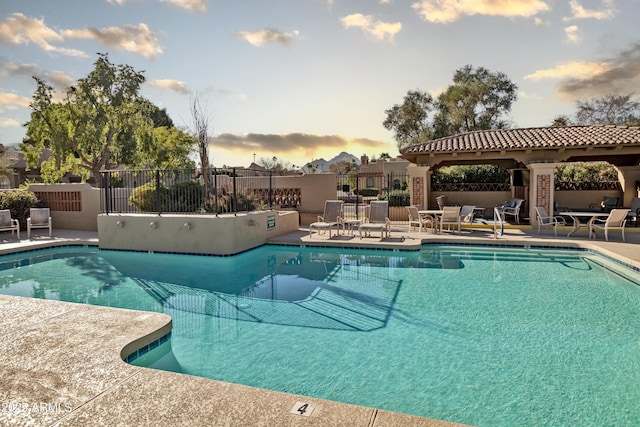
[[191, 191]]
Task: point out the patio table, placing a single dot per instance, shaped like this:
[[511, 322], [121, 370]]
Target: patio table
[[575, 217], [434, 214]]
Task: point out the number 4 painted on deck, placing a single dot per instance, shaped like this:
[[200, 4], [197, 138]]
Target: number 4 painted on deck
[[302, 408]]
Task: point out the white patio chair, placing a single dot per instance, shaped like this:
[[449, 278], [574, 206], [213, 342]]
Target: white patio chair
[[450, 217], [39, 218], [466, 216], [417, 220], [330, 217], [9, 224], [513, 209], [546, 220], [378, 220], [616, 220]]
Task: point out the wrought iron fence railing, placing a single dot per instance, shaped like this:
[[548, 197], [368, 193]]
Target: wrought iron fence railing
[[192, 192]]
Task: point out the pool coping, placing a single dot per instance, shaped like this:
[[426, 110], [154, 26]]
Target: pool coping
[[74, 373]]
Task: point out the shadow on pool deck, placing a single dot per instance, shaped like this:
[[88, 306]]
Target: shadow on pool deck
[[62, 362]]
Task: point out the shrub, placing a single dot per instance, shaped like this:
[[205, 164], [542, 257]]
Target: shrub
[[368, 192], [184, 197], [18, 202], [399, 198], [144, 197]]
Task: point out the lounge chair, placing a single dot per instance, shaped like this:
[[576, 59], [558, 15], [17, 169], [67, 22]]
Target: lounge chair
[[466, 216], [378, 220], [546, 220], [9, 224], [616, 220], [513, 209], [39, 218], [450, 216], [330, 217], [417, 220]]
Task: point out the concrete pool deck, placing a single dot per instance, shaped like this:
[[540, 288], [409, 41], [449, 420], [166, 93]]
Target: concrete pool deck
[[61, 363]]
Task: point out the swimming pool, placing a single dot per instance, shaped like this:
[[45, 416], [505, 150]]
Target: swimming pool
[[483, 336]]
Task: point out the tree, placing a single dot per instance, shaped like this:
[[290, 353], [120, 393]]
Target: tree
[[410, 121], [561, 120], [478, 99], [101, 122], [609, 110]]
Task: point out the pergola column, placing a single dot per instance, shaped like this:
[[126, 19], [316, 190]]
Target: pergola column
[[420, 185], [629, 177], [541, 188]]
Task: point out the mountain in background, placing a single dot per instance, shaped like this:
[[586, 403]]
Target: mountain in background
[[322, 165]]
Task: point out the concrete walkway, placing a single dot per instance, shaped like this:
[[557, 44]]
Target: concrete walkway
[[61, 363]]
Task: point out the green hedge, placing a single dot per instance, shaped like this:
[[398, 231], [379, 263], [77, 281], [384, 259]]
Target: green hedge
[[399, 198], [18, 202]]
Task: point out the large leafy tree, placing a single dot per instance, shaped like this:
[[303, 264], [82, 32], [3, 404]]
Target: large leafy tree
[[478, 99], [610, 109], [101, 122]]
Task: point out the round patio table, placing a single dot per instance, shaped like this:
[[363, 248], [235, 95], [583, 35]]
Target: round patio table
[[575, 217]]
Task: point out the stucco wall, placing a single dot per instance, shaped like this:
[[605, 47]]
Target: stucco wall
[[73, 206], [204, 234], [481, 199]]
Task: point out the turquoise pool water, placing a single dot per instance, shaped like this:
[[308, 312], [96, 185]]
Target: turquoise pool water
[[483, 336]]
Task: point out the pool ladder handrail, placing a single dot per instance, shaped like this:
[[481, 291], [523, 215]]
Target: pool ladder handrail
[[497, 219]]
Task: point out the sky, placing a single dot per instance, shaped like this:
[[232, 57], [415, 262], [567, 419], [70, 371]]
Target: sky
[[303, 79]]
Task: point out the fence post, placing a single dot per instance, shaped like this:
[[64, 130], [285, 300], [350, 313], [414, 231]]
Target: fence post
[[215, 190], [357, 196], [235, 193], [107, 196], [270, 189], [158, 207]]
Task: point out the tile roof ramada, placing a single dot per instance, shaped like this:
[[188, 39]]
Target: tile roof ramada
[[531, 139]]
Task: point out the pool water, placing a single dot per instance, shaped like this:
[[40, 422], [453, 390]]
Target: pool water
[[482, 336]]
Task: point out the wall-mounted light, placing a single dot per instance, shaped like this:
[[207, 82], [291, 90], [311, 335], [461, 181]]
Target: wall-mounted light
[[187, 226], [120, 224], [153, 224]]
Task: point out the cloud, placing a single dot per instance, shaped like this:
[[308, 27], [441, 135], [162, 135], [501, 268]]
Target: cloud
[[192, 5], [10, 101], [580, 80], [574, 69], [12, 69], [291, 144], [117, 1], [233, 95], [133, 38], [6, 122], [579, 12], [268, 35], [377, 29], [174, 85], [446, 11], [573, 34], [18, 29]]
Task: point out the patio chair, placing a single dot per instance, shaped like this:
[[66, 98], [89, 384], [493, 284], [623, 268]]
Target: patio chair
[[616, 220], [513, 209], [442, 202], [450, 216], [9, 224], [417, 220], [546, 220], [378, 220], [607, 204], [330, 217], [634, 212], [466, 216], [38, 218]]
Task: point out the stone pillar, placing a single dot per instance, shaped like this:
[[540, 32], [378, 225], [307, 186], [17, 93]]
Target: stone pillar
[[420, 185], [541, 186], [629, 177]]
